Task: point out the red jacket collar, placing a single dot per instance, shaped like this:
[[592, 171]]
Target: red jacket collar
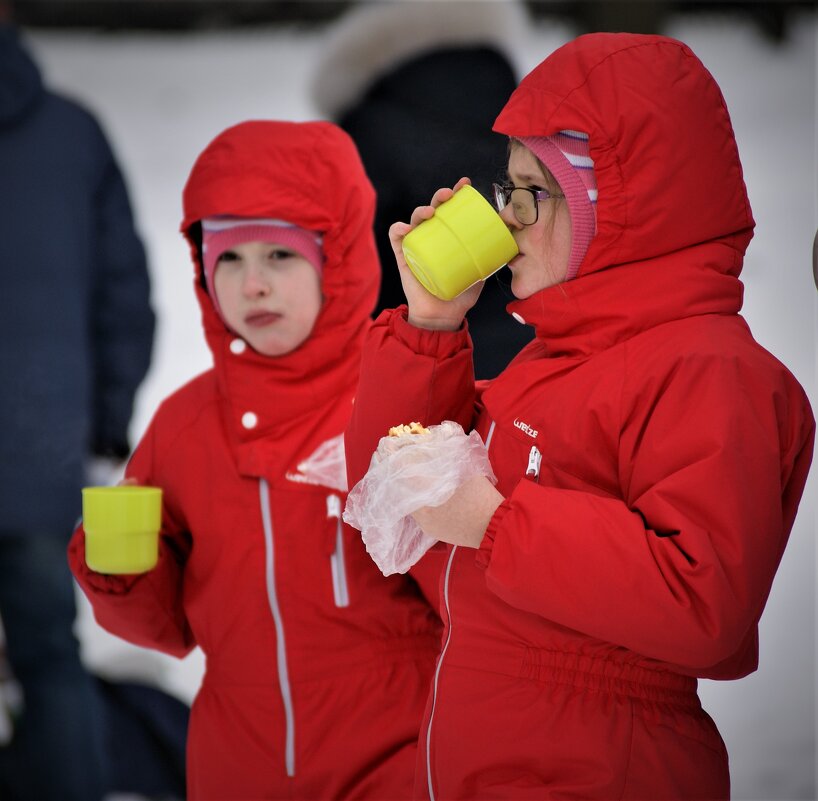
[[586, 315]]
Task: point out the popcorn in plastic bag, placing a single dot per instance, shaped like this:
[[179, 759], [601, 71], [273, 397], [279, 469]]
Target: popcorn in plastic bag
[[406, 473]]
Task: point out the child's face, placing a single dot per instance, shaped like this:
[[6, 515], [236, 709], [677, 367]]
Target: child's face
[[269, 295], [545, 246]]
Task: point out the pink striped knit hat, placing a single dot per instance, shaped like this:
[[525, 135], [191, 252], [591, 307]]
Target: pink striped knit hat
[[567, 157], [222, 233]]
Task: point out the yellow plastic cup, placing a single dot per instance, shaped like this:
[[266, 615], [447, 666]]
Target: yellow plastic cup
[[465, 242], [121, 528]]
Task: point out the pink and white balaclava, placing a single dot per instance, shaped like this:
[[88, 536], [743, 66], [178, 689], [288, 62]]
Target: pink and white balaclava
[[567, 157]]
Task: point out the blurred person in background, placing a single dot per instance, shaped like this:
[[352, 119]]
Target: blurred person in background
[[76, 328], [417, 86]]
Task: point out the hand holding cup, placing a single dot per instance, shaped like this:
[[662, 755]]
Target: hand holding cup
[[425, 309], [122, 526], [446, 252]]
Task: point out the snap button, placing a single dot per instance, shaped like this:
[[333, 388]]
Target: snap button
[[238, 346], [249, 420]]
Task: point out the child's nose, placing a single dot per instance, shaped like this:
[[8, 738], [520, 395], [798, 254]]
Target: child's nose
[[508, 216], [255, 281]]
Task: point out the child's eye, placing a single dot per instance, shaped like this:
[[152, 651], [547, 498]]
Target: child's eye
[[278, 253], [228, 255]]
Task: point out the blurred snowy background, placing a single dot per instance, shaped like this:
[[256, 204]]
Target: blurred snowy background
[[162, 96]]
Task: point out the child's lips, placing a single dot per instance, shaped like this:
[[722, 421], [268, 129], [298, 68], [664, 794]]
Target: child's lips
[[261, 318]]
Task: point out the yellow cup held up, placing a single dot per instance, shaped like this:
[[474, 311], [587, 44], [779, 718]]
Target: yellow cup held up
[[465, 242], [121, 528]]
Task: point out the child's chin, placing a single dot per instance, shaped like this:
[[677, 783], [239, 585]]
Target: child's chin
[[275, 349], [520, 293]]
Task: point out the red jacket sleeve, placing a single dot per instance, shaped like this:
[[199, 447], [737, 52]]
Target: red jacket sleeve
[[145, 609], [712, 468], [407, 374]]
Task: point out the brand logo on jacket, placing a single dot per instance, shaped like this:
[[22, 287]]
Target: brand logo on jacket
[[526, 428]]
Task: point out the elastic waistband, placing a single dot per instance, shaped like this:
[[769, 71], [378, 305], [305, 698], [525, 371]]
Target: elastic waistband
[[593, 673]]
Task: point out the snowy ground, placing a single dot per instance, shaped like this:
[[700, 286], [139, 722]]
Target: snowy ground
[[162, 97]]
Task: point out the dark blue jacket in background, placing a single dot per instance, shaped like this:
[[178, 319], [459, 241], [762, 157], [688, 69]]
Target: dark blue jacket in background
[[76, 326], [423, 124]]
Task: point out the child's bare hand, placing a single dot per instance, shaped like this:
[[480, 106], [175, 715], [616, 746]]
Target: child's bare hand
[[464, 518], [426, 310]]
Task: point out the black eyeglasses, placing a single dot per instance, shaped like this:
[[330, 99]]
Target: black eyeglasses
[[524, 201]]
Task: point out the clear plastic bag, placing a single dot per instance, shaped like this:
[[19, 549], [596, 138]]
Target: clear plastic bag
[[405, 474]]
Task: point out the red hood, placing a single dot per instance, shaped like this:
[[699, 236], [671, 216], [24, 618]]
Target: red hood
[[673, 217], [309, 174]]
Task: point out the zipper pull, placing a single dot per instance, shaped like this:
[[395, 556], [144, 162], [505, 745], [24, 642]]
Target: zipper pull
[[333, 506], [534, 461]]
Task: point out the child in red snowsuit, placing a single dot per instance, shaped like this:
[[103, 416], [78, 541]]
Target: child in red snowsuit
[[650, 455], [317, 666]]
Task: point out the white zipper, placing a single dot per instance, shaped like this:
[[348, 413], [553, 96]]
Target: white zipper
[[534, 462], [340, 588], [437, 674], [281, 648], [443, 654]]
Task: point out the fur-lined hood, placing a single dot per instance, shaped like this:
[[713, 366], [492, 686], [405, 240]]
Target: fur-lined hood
[[376, 37]]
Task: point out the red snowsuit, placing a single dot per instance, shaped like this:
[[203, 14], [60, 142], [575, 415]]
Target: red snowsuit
[[674, 453], [318, 667]]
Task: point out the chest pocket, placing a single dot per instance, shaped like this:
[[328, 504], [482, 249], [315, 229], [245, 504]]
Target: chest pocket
[[515, 455], [552, 459]]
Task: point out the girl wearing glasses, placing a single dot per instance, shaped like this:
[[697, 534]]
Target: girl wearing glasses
[[650, 455], [317, 666]]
